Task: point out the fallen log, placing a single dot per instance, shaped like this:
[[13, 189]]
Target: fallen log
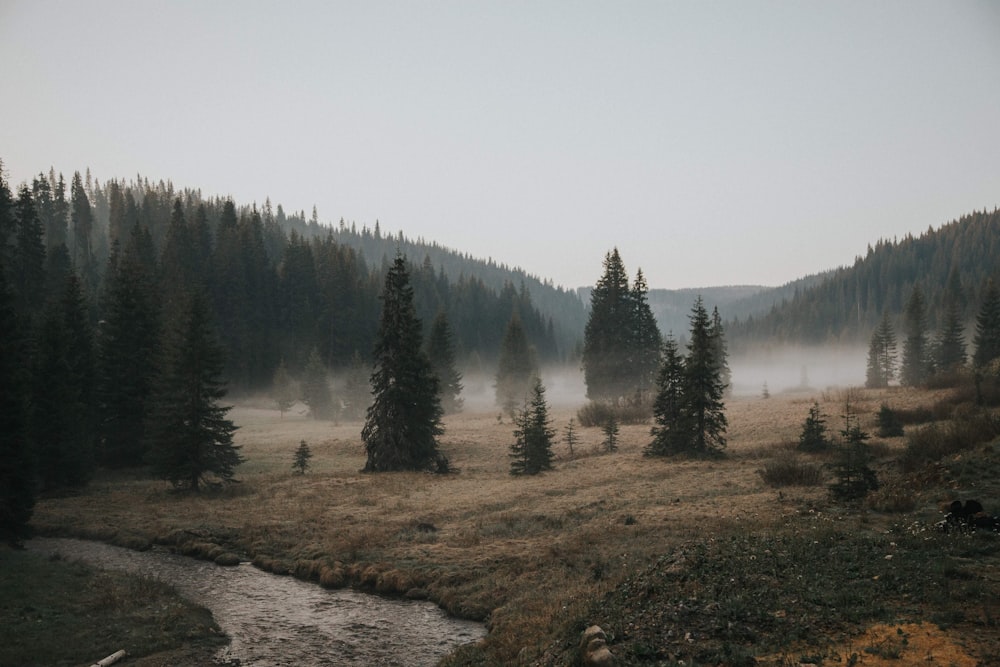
[[111, 659]]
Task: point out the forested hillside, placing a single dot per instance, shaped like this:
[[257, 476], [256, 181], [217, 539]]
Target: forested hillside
[[281, 285], [949, 264]]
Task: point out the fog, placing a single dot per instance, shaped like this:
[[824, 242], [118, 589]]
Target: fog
[[800, 368]]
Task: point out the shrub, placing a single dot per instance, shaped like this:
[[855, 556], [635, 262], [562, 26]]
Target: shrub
[[889, 425], [970, 427], [791, 473], [598, 413]]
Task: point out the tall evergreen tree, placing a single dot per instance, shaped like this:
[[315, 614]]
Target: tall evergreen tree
[[441, 352], [949, 348], [987, 338], [608, 335], [703, 418], [720, 350], [516, 369], [28, 261], [190, 439], [403, 422], [82, 218], [61, 416], [916, 359], [283, 389], [531, 452], [127, 352], [881, 355], [646, 339], [17, 488], [316, 388], [668, 437]]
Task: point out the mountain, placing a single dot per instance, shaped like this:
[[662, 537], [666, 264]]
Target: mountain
[[844, 305]]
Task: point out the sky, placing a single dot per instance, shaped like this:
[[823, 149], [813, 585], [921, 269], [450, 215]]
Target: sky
[[712, 142]]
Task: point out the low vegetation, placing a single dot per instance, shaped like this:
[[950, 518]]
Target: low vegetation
[[701, 560]]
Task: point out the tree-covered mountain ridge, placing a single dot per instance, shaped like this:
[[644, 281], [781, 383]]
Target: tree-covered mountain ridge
[[844, 305]]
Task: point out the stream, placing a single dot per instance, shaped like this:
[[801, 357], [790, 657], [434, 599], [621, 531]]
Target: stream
[[279, 620]]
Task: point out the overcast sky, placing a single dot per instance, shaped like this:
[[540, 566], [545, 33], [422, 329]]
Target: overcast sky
[[713, 143]]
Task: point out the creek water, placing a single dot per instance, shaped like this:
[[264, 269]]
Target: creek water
[[279, 620]]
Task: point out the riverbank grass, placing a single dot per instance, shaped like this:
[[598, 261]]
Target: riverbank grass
[[60, 612]]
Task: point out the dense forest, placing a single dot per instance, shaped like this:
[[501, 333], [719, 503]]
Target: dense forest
[[281, 284], [952, 264]]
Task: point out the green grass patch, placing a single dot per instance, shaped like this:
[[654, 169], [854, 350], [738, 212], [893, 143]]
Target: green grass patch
[[58, 612]]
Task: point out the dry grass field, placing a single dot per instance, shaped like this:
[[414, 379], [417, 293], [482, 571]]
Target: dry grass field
[[697, 560]]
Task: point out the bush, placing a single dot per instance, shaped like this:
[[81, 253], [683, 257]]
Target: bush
[[598, 413], [791, 473], [969, 428], [889, 425]]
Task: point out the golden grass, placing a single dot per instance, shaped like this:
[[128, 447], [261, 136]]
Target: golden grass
[[525, 553]]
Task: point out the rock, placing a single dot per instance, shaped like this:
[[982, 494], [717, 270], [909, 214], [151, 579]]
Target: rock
[[594, 651]]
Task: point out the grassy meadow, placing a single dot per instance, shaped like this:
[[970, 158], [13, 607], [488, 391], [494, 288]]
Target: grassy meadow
[[694, 560]]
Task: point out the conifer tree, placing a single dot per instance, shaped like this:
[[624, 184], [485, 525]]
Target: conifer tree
[[190, 439], [987, 338], [852, 468], [302, 456], [608, 336], [316, 388], [516, 369], [646, 340], [813, 437], [668, 437], [570, 436], [703, 421], [949, 348], [404, 420], [128, 340], [17, 488], [357, 389], [27, 278], [916, 361], [441, 352], [61, 416], [283, 390], [881, 355], [718, 337], [610, 430], [531, 452]]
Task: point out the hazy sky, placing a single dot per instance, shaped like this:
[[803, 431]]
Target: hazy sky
[[713, 143]]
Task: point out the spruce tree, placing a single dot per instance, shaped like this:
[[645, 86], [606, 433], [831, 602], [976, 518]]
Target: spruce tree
[[987, 338], [190, 439], [128, 340], [881, 355], [404, 420], [570, 436], [702, 420], [27, 278], [949, 348], [17, 488], [852, 468], [302, 456], [646, 340], [916, 359], [813, 437], [532, 448], [517, 368], [667, 433], [316, 388], [610, 430], [283, 389], [608, 335], [718, 336], [441, 352]]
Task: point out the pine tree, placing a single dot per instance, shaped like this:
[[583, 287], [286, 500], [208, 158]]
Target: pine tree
[[302, 456], [608, 336], [532, 448], [646, 340], [610, 430], [852, 469], [316, 388], [916, 360], [987, 338], [440, 351], [516, 369], [283, 389], [403, 422], [718, 336], [881, 355], [570, 436], [128, 343], [61, 417], [17, 488], [667, 433], [702, 417], [27, 278], [813, 437], [190, 439], [949, 349]]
